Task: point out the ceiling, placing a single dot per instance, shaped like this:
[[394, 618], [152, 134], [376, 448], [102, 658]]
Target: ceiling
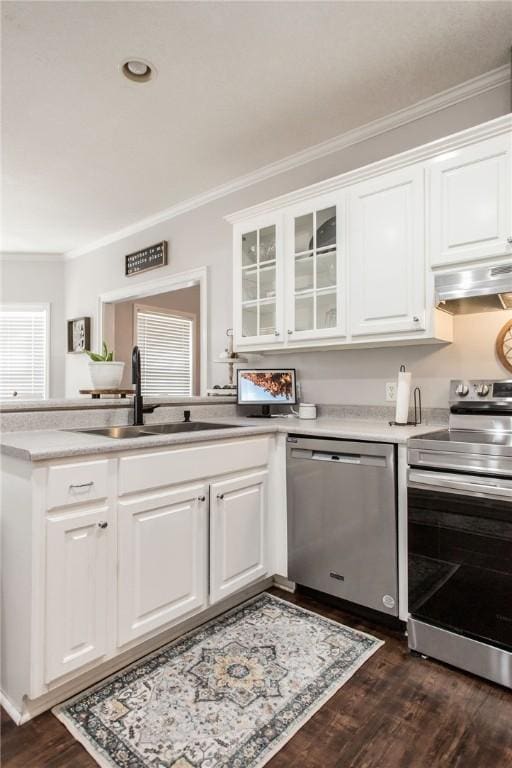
[[239, 85]]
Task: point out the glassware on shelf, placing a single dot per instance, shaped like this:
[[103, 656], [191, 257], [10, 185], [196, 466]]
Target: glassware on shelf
[[267, 283], [326, 227], [249, 248], [249, 284], [304, 272], [304, 233], [326, 269], [267, 247]]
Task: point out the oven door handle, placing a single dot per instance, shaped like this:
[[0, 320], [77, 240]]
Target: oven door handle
[[470, 486]]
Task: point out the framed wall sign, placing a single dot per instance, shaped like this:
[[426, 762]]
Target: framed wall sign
[[79, 334], [147, 258]]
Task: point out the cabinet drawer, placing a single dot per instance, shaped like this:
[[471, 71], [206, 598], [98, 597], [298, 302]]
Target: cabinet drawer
[[77, 483], [180, 465]]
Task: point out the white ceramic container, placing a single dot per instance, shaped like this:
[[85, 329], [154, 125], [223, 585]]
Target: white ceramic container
[[306, 411], [106, 375]]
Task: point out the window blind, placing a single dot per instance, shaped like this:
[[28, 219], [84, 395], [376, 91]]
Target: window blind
[[23, 353], [166, 349]]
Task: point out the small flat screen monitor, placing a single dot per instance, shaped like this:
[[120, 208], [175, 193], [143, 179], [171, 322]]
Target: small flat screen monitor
[[266, 387]]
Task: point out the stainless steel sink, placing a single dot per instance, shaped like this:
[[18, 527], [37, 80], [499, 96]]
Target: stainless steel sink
[[184, 426], [119, 433], [124, 433]]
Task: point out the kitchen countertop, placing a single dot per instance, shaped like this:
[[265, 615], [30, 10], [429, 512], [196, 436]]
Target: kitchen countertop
[[39, 445]]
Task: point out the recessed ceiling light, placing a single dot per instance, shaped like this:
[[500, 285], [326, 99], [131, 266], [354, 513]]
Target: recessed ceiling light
[[138, 70]]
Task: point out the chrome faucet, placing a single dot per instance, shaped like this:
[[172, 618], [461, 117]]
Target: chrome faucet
[[139, 409]]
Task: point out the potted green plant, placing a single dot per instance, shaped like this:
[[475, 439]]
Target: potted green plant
[[106, 373]]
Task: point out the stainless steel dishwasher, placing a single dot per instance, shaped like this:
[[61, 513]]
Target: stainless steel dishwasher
[[342, 523]]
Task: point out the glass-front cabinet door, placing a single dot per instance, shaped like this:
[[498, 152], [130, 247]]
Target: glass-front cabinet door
[[258, 283], [315, 306]]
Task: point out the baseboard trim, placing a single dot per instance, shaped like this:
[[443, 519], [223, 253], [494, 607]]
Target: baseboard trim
[[11, 710], [285, 584]]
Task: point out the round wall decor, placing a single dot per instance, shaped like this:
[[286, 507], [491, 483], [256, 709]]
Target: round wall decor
[[504, 346]]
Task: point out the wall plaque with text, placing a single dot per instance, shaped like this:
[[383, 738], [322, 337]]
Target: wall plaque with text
[[147, 258]]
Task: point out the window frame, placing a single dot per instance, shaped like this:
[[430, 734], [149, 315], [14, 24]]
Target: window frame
[[148, 309], [35, 307]]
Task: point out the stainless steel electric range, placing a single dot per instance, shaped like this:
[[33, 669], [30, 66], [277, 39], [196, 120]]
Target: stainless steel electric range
[[460, 534]]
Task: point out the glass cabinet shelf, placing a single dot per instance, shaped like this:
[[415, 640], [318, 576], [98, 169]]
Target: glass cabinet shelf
[[259, 282], [315, 288]]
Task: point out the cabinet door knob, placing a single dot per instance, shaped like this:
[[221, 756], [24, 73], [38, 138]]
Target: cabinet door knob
[[103, 524], [201, 498], [509, 240], [289, 332], [220, 496], [276, 333], [416, 319]]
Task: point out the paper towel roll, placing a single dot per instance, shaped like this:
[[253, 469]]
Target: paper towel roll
[[403, 396]]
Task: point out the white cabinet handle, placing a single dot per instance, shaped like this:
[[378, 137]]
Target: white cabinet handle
[[201, 498], [82, 485], [290, 332], [103, 524], [416, 319], [276, 333], [509, 240], [220, 496]]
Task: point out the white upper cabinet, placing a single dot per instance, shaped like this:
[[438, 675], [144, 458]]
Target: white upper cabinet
[[470, 203], [258, 295], [387, 261], [354, 254], [314, 244]]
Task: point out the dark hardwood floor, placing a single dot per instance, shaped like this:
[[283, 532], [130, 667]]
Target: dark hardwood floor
[[398, 711]]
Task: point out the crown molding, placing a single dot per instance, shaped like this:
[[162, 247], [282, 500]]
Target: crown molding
[[23, 256], [423, 153], [466, 90]]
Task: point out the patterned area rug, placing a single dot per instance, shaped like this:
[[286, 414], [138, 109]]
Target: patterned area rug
[[229, 694]]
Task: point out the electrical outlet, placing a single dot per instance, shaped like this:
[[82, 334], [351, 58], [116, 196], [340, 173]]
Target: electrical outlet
[[391, 391]]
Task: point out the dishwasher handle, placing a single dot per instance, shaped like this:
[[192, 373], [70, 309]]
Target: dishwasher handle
[[341, 458], [338, 457]]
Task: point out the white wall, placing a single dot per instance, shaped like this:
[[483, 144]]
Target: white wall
[[354, 377], [202, 237], [40, 281]]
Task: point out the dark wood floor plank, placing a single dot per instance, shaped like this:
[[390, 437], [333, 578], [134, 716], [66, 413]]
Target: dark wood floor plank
[[398, 711]]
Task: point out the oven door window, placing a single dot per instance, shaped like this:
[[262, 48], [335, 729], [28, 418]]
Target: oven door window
[[460, 563]]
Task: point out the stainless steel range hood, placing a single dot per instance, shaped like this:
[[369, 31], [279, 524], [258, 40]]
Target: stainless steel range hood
[[468, 291]]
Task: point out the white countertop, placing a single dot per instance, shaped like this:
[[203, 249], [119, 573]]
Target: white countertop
[[39, 445]]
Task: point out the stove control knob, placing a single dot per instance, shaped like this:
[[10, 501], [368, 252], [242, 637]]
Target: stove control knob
[[462, 390], [482, 390]]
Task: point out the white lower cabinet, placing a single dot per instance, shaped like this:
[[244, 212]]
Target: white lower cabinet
[[238, 533], [162, 559], [96, 564], [79, 547]]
